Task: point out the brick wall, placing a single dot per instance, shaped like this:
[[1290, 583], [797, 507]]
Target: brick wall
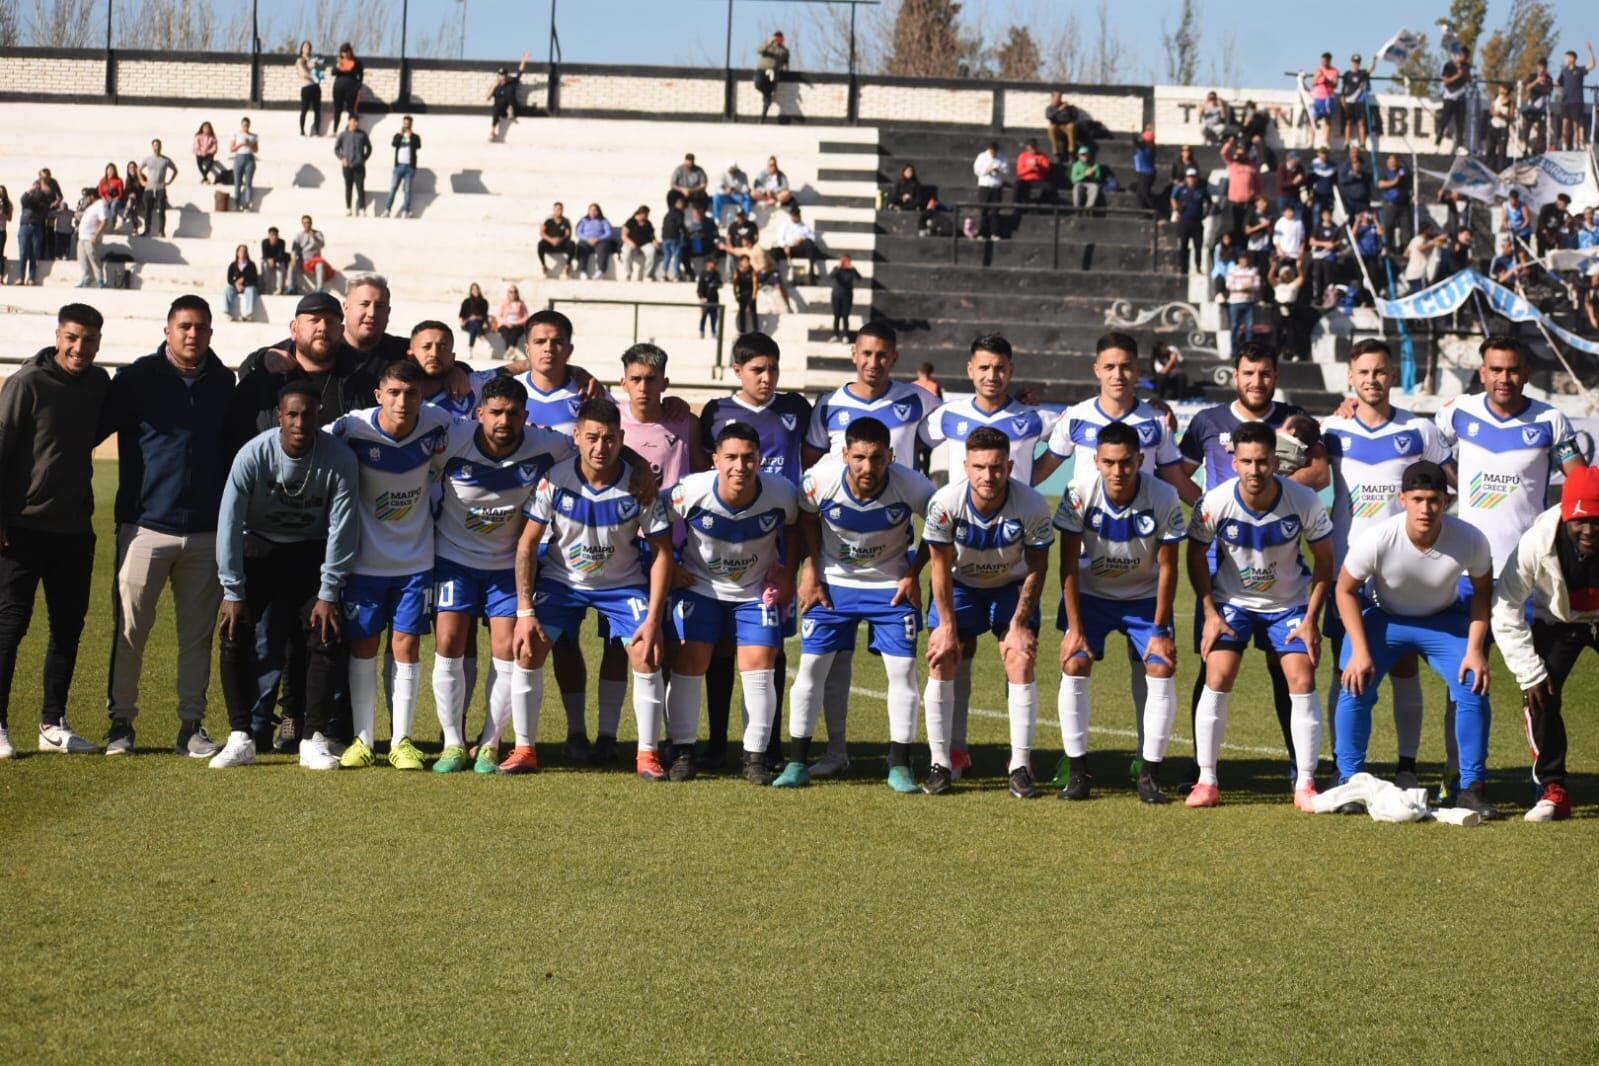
[[823, 100], [161, 77], [1023, 109], [907, 103], [52, 77], [644, 94]]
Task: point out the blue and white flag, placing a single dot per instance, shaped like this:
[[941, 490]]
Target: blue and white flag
[[1450, 294], [1472, 178], [1544, 177], [1399, 48]]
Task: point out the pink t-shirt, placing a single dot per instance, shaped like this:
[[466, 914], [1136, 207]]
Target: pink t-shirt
[[664, 445]]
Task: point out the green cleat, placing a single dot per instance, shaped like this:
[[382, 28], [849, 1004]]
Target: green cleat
[[794, 775], [488, 759], [452, 760], [357, 756], [1062, 773], [1135, 769], [900, 779], [403, 755]]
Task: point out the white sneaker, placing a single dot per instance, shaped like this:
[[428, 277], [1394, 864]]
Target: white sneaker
[[6, 750], [349, 212], [61, 738], [240, 751], [314, 754], [831, 763], [196, 743], [1542, 811]]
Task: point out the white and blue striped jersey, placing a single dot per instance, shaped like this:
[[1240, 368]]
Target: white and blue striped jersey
[[1504, 464], [990, 550], [1079, 426], [480, 497], [556, 409], [1368, 463], [1259, 565], [395, 492], [865, 543], [463, 406], [901, 409], [728, 552], [1121, 545], [596, 536], [1023, 425]]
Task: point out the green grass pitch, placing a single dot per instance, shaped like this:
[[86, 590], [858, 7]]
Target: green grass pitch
[[151, 910]]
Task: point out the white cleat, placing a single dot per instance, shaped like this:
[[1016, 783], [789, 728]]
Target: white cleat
[[195, 742], [830, 764], [61, 738], [6, 750], [239, 751], [314, 754]]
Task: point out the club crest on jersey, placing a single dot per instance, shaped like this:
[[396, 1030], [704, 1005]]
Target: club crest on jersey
[[1145, 524], [1403, 443], [1019, 425], [896, 513], [1349, 442], [836, 513], [1530, 434], [1091, 434], [1147, 432], [627, 508], [1010, 529], [374, 454], [962, 427], [708, 522], [566, 503], [573, 404], [843, 418], [902, 411], [1473, 428], [789, 422], [1096, 519], [1231, 531], [529, 471], [1290, 527], [768, 522]]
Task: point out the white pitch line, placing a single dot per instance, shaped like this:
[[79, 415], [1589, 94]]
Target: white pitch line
[[1107, 731]]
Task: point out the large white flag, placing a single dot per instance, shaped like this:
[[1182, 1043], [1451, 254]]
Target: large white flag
[[1399, 48]]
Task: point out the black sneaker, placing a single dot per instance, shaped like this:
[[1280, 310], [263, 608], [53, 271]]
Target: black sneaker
[[1190, 778], [713, 758], [1407, 779], [577, 749], [1076, 786], [119, 738], [756, 771], [605, 752], [940, 782], [683, 766], [1149, 790], [1473, 799], [1021, 784], [287, 738], [1352, 807]]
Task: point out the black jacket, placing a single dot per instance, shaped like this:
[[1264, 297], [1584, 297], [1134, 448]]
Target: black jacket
[[350, 386], [50, 422], [173, 449]]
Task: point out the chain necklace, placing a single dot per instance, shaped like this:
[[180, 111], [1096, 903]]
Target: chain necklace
[[283, 484]]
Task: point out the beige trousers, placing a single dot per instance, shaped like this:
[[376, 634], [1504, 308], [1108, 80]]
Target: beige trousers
[[146, 561]]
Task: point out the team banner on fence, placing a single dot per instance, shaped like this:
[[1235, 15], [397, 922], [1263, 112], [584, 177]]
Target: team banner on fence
[[1546, 176], [1449, 295]]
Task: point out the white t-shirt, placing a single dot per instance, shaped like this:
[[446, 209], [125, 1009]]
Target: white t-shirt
[[991, 550], [480, 497], [901, 409], [1121, 545], [1368, 463], [1259, 566], [1403, 579], [596, 536], [244, 144], [1289, 236], [1022, 424], [728, 552], [93, 216], [394, 489], [865, 543]]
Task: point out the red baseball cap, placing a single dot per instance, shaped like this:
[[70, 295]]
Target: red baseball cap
[[1579, 497]]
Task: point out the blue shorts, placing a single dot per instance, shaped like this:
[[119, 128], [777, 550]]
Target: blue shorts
[[1268, 629], [561, 608], [1135, 619], [979, 611], [1322, 108], [893, 627], [373, 604], [468, 590], [701, 618]]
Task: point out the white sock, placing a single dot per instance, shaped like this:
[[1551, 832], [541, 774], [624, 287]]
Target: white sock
[[904, 702], [576, 705], [612, 693], [1407, 714], [403, 712], [1023, 706], [449, 679], [760, 708], [1160, 710], [1304, 723], [649, 700], [805, 695], [1138, 680], [363, 698], [499, 715], [1210, 727], [835, 700], [939, 702], [527, 699], [683, 708], [1072, 705], [961, 708]]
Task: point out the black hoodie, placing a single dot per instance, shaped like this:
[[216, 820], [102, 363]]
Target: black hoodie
[[50, 421]]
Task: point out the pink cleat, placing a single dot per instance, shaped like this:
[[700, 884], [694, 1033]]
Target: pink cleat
[[1204, 796], [960, 762], [1305, 798]]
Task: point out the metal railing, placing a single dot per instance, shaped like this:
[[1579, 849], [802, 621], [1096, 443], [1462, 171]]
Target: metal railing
[[977, 209], [717, 369]]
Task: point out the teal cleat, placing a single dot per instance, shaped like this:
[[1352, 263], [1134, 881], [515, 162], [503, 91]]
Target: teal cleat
[[452, 760], [488, 759], [900, 779], [794, 775]]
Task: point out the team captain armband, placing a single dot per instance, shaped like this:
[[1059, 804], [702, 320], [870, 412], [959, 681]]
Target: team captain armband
[[1566, 451]]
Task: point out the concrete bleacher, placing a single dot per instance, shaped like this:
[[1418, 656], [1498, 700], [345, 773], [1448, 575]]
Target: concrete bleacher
[[477, 208]]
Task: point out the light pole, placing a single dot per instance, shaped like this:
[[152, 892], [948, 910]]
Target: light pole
[[461, 50]]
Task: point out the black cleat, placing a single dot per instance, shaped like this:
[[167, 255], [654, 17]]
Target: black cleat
[[604, 752], [713, 758], [287, 738], [1407, 779], [1474, 799], [940, 782], [1190, 778], [684, 767], [1021, 784], [577, 749], [1076, 786], [756, 771], [1149, 790], [1352, 807]]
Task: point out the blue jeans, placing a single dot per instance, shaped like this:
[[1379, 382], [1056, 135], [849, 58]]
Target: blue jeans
[[671, 259], [722, 199], [28, 240], [244, 179], [1242, 319], [404, 173]]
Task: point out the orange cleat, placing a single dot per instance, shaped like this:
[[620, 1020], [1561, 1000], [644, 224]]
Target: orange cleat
[[1204, 796], [649, 766], [522, 760]]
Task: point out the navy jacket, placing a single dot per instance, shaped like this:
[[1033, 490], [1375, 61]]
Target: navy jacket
[[173, 449]]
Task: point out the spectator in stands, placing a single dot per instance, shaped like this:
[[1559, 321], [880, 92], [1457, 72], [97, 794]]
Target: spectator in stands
[[1243, 180], [843, 280], [1419, 254], [673, 225], [1370, 240], [1087, 177], [1144, 168], [48, 247], [1323, 98], [1590, 298], [769, 70], [349, 73], [596, 243], [244, 146], [1222, 257], [1190, 205], [1354, 93], [771, 187], [690, 182], [1515, 218], [92, 227], [1573, 114], [1585, 231], [798, 241], [502, 99], [1287, 286], [1243, 290], [934, 220], [1326, 241], [907, 193], [1213, 119], [746, 286], [990, 168], [1323, 182], [33, 207], [1536, 92], [1456, 255], [1502, 267], [1456, 86], [926, 381], [700, 239], [308, 245], [65, 220], [112, 190], [6, 210], [407, 146], [766, 271], [309, 69], [205, 153], [1258, 234], [743, 233], [1553, 220], [1063, 124], [1496, 146], [156, 171], [132, 195], [709, 290], [1253, 130], [639, 246], [1397, 187], [734, 189], [1171, 381], [1354, 181], [274, 262], [1186, 161], [1292, 181], [244, 282], [555, 238], [510, 321], [474, 315], [1032, 175], [353, 148]]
